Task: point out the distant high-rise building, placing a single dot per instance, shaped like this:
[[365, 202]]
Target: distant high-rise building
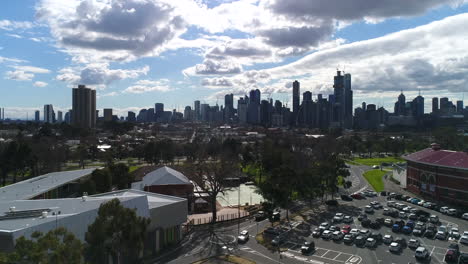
[[107, 114], [435, 105], [131, 117], [228, 107], [265, 113], [418, 107], [67, 117], [400, 105], [459, 106], [37, 117], [197, 110], [48, 113], [83, 107], [296, 97], [242, 110], [204, 111], [158, 111], [188, 113], [150, 115], [59, 116], [141, 116]]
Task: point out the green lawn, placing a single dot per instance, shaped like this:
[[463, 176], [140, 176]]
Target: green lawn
[[134, 168], [378, 161], [374, 177]]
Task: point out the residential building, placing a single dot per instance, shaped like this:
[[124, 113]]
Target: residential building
[[83, 107]]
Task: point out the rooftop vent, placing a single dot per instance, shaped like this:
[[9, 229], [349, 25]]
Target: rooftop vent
[[12, 209], [83, 198], [435, 146], [44, 214]]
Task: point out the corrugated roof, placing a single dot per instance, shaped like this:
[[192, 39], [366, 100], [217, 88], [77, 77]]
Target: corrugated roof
[[33, 187], [164, 176], [443, 158]]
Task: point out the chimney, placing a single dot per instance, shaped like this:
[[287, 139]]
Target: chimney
[[435, 146]]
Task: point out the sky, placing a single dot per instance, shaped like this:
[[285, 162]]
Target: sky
[[139, 52]]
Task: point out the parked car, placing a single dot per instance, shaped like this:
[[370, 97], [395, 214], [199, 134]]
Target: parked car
[[443, 209], [260, 215], [374, 225], [368, 209], [452, 254], [364, 232], [348, 239], [362, 217], [348, 219], [419, 229], [338, 217], [434, 219], [465, 216], [308, 247], [278, 240], [406, 230], [357, 196], [317, 232], [463, 259], [413, 217], [401, 241], [387, 239], [421, 253], [370, 242], [394, 247], [388, 222], [402, 215], [276, 216], [452, 212], [375, 205], [366, 222], [324, 226], [345, 229], [413, 243], [464, 238], [337, 236], [396, 228], [442, 233], [454, 233], [377, 236], [334, 228], [430, 231], [327, 234], [391, 204], [360, 241]]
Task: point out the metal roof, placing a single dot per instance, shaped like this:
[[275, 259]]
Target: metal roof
[[441, 158], [33, 187], [164, 176]]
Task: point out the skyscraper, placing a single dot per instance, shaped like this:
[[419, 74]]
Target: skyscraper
[[158, 111], [418, 107], [107, 114], [459, 106], [435, 105], [197, 110], [131, 117], [343, 105], [48, 113], [84, 107], [37, 117], [296, 96], [188, 113], [228, 107], [59, 116]]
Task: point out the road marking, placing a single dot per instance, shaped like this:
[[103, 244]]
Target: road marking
[[337, 256]]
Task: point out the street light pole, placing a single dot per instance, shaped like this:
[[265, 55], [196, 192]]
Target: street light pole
[[238, 210]]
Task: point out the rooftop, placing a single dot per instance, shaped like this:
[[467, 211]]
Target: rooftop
[[164, 176], [438, 157], [33, 187]]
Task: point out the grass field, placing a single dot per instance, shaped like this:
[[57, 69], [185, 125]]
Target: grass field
[[374, 177], [378, 161]]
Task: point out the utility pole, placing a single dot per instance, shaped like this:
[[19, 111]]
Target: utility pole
[[238, 210]]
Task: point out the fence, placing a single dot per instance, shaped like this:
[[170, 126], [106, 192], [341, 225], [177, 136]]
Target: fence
[[219, 218]]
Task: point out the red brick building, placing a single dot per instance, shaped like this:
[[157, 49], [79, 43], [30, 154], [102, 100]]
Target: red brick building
[[439, 175]]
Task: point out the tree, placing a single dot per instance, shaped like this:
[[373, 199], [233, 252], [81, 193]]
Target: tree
[[121, 177], [211, 174], [102, 180], [117, 233], [57, 246]]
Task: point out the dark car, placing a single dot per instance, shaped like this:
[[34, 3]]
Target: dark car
[[357, 196], [380, 220], [377, 236], [360, 241], [406, 230], [463, 258], [373, 225], [401, 241], [366, 222], [271, 231], [423, 218], [308, 247], [345, 197], [331, 202], [348, 239], [276, 216], [260, 215], [451, 256], [429, 233], [383, 193], [317, 232], [362, 217], [396, 228], [393, 213]]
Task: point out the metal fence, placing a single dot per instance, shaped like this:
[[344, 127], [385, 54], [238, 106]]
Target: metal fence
[[219, 218]]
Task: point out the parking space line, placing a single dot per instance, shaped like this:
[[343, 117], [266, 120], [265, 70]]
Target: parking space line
[[337, 256]]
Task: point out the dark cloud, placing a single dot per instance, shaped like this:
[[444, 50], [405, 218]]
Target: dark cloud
[[306, 10], [296, 36], [240, 48]]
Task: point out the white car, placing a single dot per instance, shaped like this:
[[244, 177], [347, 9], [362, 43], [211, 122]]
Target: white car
[[427, 204], [413, 243], [368, 209], [402, 215], [444, 209], [364, 232], [421, 253], [370, 242], [394, 247], [465, 216], [388, 239], [338, 217], [452, 212], [464, 238], [454, 232], [354, 232], [420, 203], [407, 209], [434, 219], [243, 236], [324, 225], [327, 234]]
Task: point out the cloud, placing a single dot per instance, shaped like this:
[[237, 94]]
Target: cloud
[[31, 69], [145, 86], [10, 25], [430, 57], [19, 75], [213, 67], [40, 84], [301, 37], [99, 74], [14, 36], [97, 29], [217, 82], [13, 60]]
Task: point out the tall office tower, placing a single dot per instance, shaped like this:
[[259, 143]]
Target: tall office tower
[[48, 113], [196, 107], [265, 114], [242, 110], [107, 114], [150, 115], [67, 117], [306, 111], [339, 93], [37, 117], [296, 99], [59, 116], [158, 111], [348, 92], [418, 107], [83, 107], [364, 106], [435, 105], [444, 105], [204, 111], [188, 113], [400, 105], [459, 106], [278, 107], [228, 107], [131, 117], [253, 109]]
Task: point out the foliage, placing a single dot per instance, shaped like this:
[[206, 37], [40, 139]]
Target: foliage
[[378, 161], [374, 177], [57, 246], [118, 233]]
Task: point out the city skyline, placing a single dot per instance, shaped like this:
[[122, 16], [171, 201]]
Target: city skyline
[[205, 60]]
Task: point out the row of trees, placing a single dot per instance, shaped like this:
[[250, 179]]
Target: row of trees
[[103, 180], [117, 233]]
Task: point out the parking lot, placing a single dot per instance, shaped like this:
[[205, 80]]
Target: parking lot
[[331, 251]]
